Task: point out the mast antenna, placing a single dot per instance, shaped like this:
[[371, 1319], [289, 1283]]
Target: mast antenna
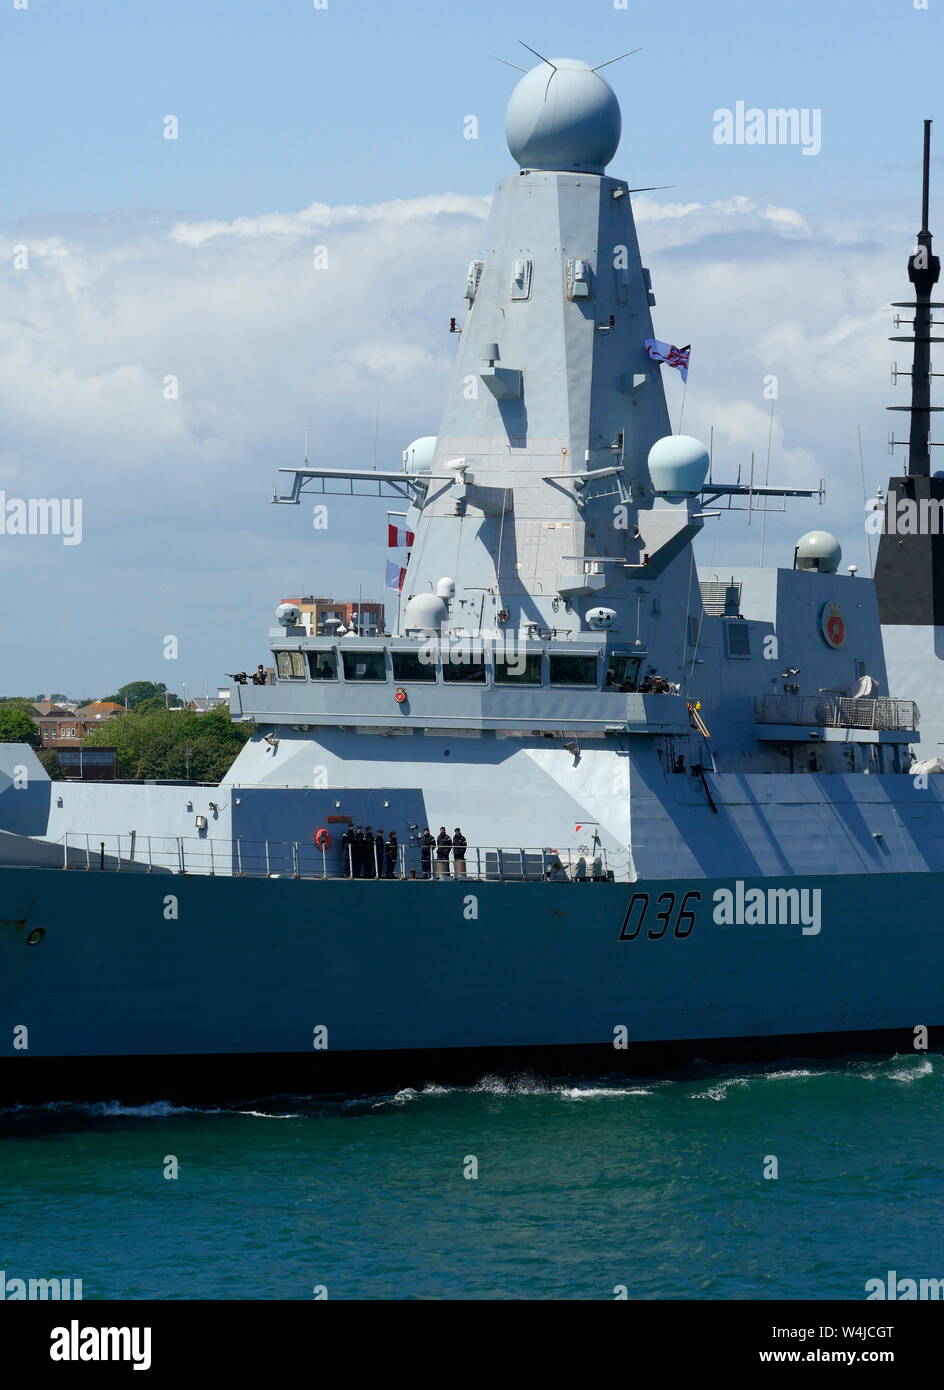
[[537, 54], [924, 269], [616, 60]]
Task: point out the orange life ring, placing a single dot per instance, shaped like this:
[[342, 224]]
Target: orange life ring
[[322, 838]]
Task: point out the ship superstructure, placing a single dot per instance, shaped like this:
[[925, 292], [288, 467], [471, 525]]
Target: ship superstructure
[[685, 797]]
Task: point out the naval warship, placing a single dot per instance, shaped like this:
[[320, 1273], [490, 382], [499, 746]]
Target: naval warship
[[691, 819]]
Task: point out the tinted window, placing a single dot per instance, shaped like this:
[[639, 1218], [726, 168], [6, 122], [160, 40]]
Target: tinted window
[[409, 666], [323, 666], [364, 666], [573, 670], [464, 672], [509, 672], [290, 666], [622, 671]]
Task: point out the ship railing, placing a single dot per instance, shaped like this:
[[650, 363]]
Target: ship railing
[[245, 858], [837, 711]]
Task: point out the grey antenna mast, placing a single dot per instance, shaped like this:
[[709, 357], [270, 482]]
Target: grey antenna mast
[[924, 269], [616, 60], [506, 62]]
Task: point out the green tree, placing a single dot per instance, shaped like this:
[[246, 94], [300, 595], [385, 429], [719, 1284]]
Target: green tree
[[49, 760], [155, 744], [17, 727], [134, 692]]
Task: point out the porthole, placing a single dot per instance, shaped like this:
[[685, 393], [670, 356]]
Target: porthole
[[34, 937]]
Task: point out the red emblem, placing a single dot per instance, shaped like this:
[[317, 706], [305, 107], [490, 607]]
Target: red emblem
[[832, 624]]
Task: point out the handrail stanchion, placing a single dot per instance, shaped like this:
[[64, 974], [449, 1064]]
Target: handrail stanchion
[[150, 857], [324, 860], [267, 858]]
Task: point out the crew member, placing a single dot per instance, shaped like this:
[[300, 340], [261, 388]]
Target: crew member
[[443, 846], [347, 851], [379, 856], [458, 852], [391, 854], [358, 852], [370, 870], [260, 676], [426, 851]]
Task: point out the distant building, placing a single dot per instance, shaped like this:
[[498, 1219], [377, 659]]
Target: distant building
[[100, 709], [60, 727], [317, 613]]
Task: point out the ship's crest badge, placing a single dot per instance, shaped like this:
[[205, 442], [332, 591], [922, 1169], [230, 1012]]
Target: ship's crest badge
[[832, 624]]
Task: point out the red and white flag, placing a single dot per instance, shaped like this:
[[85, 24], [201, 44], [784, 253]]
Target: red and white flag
[[668, 352], [395, 575], [396, 536]]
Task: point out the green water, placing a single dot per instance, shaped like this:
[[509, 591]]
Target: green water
[[582, 1186]]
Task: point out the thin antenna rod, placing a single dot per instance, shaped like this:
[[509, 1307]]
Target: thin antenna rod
[[927, 176], [537, 54], [506, 62], [616, 60], [868, 534]]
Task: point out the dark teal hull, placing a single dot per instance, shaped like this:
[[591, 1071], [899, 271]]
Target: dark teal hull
[[272, 985]]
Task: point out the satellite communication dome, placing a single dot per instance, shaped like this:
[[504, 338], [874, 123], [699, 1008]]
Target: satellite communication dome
[[288, 614], [563, 115], [678, 465], [418, 456], [424, 613], [818, 550]]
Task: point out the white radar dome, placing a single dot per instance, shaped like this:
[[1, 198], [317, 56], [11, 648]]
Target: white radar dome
[[563, 115], [418, 456], [678, 465], [818, 550], [424, 613]]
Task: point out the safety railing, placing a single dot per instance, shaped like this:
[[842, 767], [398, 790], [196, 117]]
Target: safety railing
[[837, 711], [179, 854]]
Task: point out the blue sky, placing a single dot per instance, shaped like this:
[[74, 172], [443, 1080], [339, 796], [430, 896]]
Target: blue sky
[[299, 124], [280, 103]]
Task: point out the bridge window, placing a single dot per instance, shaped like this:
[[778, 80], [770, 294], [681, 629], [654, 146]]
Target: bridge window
[[573, 670], [409, 666], [290, 666], [737, 637], [622, 671], [510, 672], [464, 672], [323, 666], [364, 666]]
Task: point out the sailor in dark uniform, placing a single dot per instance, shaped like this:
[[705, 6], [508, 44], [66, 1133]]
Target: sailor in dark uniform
[[368, 861], [358, 852], [391, 854], [443, 846], [347, 852], [426, 851], [458, 852], [379, 856]]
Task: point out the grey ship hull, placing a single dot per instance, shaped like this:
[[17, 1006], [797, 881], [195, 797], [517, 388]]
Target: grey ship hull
[[227, 998]]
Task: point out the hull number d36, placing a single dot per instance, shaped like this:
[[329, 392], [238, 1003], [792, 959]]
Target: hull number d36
[[664, 914]]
